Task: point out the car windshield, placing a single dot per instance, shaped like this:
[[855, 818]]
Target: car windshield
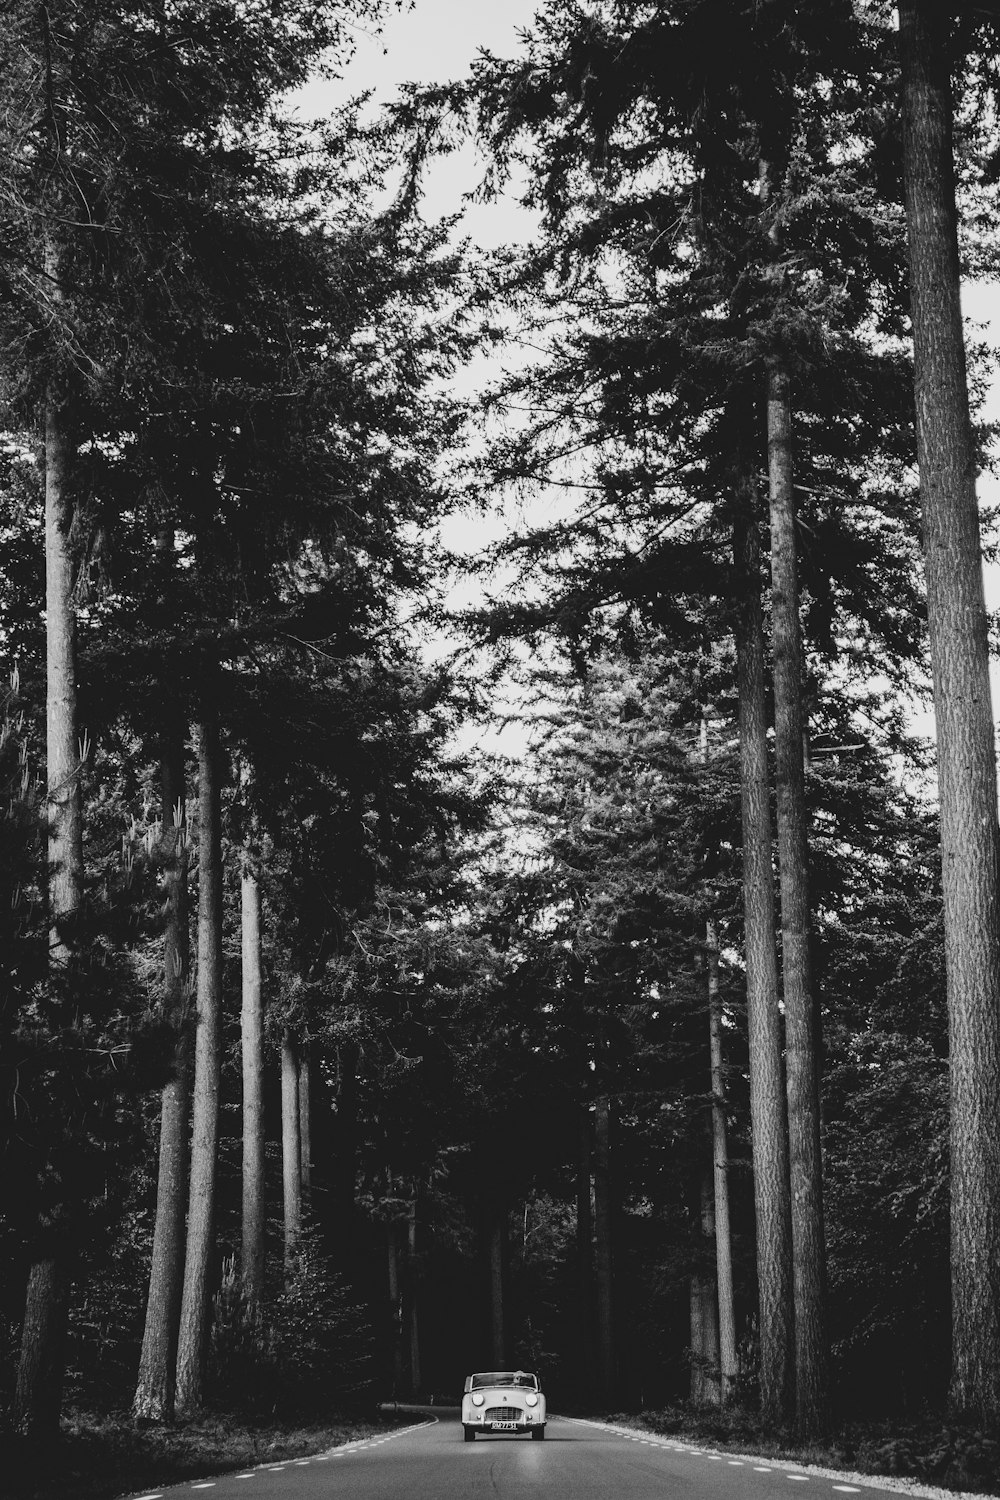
[[505, 1377]]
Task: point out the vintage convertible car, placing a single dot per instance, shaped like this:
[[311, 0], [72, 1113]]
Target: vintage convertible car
[[503, 1401]]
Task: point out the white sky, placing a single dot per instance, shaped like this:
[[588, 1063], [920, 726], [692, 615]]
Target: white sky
[[435, 41]]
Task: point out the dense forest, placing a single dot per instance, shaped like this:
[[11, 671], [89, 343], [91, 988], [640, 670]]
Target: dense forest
[[341, 1053]]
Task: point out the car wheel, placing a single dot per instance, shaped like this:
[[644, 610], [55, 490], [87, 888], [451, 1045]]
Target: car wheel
[[470, 1434], [538, 1433]]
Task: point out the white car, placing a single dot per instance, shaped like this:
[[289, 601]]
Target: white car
[[503, 1401]]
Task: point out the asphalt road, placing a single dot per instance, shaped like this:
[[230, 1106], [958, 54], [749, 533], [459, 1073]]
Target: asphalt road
[[577, 1461]]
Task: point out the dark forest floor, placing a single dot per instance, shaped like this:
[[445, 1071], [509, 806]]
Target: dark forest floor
[[929, 1452], [100, 1458]]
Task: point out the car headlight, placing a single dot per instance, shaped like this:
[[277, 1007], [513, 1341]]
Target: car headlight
[[531, 1400], [478, 1399]]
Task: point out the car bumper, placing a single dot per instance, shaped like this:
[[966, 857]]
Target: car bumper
[[522, 1424]]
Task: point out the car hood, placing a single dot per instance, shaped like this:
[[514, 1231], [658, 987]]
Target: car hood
[[496, 1395]]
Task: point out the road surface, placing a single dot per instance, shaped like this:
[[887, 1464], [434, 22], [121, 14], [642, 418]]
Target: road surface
[[577, 1461]]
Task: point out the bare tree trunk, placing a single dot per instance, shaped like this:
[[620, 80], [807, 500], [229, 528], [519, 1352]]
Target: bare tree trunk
[[720, 1148], [496, 1248], [696, 1295], [38, 1395], [252, 1032], [154, 1392], [962, 705], [704, 1304], [305, 1125], [291, 1157], [772, 1205], [802, 1081], [41, 1369], [63, 759], [720, 1154], [395, 1308], [603, 1232], [413, 1310], [585, 1250], [205, 1121]]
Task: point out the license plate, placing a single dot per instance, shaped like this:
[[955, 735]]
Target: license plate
[[505, 1426]]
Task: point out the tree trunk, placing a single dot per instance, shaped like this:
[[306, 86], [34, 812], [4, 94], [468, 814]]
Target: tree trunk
[[802, 1082], [40, 1372], [696, 1295], [63, 761], [252, 1033], [154, 1392], [205, 1122], [720, 1156], [604, 1257], [395, 1308], [772, 1206], [496, 1250], [305, 1125], [291, 1156], [585, 1251], [962, 705], [705, 1386], [413, 1310]]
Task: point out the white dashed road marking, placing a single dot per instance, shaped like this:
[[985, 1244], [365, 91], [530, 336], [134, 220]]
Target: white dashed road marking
[[848, 1489], [803, 1477]]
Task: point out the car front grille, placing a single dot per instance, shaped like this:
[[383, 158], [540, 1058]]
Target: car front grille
[[503, 1414]]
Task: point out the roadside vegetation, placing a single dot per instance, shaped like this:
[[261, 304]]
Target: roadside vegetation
[[922, 1450], [101, 1458]]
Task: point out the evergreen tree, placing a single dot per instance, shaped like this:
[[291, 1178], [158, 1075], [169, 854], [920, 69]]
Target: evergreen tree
[[965, 737]]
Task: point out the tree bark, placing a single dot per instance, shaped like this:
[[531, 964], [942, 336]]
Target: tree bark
[[205, 1121], [962, 705], [585, 1249], [291, 1154], [63, 759], [395, 1308], [604, 1256], [41, 1369], [705, 1387], [802, 1082], [40, 1372], [154, 1393], [413, 1310], [252, 1033], [772, 1207], [305, 1125], [720, 1158]]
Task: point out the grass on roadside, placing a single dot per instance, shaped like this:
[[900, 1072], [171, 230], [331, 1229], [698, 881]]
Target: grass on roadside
[[931, 1452], [101, 1458]]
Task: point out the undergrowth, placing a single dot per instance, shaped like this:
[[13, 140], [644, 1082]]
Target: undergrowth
[[932, 1452], [100, 1458]]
